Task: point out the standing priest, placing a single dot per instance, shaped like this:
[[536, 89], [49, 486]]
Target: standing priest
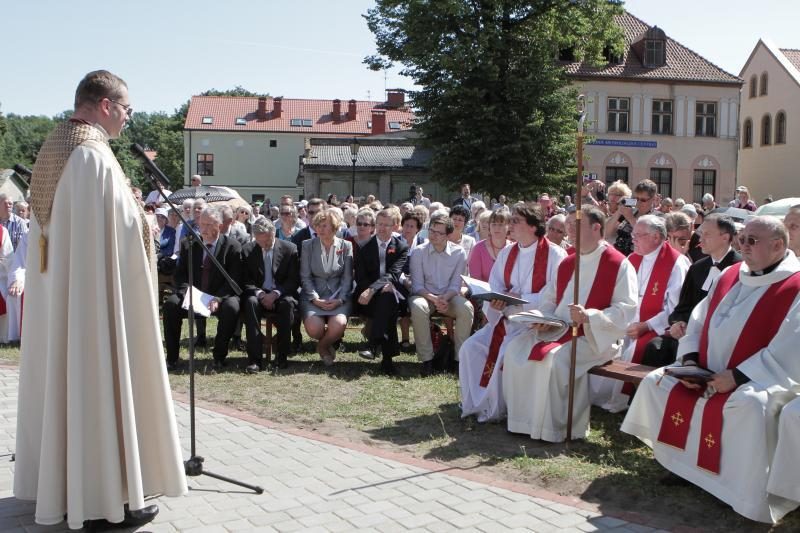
[[723, 439], [536, 373], [96, 430]]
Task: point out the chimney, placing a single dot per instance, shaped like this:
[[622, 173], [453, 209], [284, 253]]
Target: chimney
[[395, 98], [337, 110], [351, 110], [378, 121], [276, 106], [262, 108]]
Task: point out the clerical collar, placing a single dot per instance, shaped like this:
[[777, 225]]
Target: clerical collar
[[722, 258], [530, 246], [767, 270]]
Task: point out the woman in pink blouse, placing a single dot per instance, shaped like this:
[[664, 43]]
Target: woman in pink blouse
[[485, 252]]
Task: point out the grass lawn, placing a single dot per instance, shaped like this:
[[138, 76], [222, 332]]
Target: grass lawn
[[420, 417]]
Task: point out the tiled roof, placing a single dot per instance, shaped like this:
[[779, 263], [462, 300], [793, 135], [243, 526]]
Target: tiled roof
[[373, 153], [793, 56], [225, 110], [682, 63]]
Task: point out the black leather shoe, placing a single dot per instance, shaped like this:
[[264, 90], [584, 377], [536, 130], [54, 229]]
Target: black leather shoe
[[219, 364], [253, 369], [370, 354], [387, 367], [172, 367], [201, 342], [427, 369], [139, 517], [280, 362]]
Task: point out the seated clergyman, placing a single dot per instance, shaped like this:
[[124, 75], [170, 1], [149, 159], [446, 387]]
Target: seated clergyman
[[723, 439]]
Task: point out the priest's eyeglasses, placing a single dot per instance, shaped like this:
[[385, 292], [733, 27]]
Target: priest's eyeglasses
[[750, 240], [127, 107]]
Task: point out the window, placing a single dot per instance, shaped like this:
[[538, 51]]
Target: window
[[747, 134], [241, 122], [766, 130], [704, 182], [654, 53], [307, 122], [753, 86], [663, 178], [301, 122], [612, 57], [780, 128], [208, 120], [705, 120], [394, 125], [616, 173], [662, 117], [763, 84], [205, 164], [618, 114], [273, 143]]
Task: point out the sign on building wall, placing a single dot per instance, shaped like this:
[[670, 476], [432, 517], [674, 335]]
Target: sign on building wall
[[632, 144]]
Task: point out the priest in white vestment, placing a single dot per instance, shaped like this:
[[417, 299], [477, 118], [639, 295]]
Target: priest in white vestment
[[784, 476], [537, 390], [660, 271], [522, 269], [745, 331], [16, 288], [6, 257], [96, 430]]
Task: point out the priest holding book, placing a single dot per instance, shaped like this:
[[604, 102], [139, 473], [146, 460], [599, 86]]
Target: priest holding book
[[536, 373], [722, 437], [522, 270]]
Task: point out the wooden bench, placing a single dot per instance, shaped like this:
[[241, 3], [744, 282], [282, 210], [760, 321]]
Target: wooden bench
[[623, 371]]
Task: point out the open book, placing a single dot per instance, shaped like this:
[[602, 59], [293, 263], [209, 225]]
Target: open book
[[482, 291], [536, 317], [691, 373]]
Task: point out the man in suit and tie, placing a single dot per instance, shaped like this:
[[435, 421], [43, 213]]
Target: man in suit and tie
[[271, 277], [206, 277], [716, 233], [378, 266]]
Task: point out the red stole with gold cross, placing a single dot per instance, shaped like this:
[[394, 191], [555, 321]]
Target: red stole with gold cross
[[538, 279], [760, 328], [653, 299], [599, 297]]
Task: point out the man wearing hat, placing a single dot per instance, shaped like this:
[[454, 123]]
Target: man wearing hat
[[743, 200]]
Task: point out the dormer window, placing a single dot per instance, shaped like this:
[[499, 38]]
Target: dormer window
[[655, 54]]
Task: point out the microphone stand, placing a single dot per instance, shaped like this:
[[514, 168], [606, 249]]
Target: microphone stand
[[194, 465]]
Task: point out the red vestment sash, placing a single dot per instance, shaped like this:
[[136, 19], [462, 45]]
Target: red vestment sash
[[600, 295], [761, 326], [3, 300], [653, 299], [538, 279]]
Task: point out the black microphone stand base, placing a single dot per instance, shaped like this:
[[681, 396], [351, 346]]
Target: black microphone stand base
[[194, 467]]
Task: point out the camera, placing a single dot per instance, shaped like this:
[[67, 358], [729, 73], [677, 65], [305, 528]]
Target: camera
[[629, 202]]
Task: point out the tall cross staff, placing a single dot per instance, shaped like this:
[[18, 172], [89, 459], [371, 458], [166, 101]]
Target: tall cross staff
[[578, 216]]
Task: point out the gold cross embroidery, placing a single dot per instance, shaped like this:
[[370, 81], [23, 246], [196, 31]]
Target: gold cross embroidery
[[655, 288], [710, 442], [487, 373], [677, 418]]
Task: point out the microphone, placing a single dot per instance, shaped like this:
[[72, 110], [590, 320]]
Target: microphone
[[22, 170], [151, 167]]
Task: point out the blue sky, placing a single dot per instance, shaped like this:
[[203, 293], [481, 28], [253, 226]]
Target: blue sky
[[168, 50]]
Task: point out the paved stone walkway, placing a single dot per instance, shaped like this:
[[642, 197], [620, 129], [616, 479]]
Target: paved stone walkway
[[311, 485]]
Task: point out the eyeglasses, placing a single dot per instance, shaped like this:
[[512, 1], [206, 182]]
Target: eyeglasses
[[643, 200], [286, 213], [364, 224], [127, 107], [436, 232], [751, 241], [556, 230]]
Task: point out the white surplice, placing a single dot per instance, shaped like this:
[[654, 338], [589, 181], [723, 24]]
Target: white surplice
[[607, 392], [96, 427], [784, 475], [487, 402], [16, 274], [537, 392], [750, 426]]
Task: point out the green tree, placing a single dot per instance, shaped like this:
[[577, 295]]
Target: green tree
[[494, 105], [22, 139], [154, 131]]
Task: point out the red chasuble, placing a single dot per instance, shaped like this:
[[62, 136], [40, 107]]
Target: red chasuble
[[2, 300], [653, 299], [762, 325], [538, 279], [599, 297]]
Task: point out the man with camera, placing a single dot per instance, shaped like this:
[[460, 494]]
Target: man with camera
[[642, 203]]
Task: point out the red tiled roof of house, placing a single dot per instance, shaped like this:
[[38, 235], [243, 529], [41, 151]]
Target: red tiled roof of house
[[225, 110], [682, 63], [793, 56]]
